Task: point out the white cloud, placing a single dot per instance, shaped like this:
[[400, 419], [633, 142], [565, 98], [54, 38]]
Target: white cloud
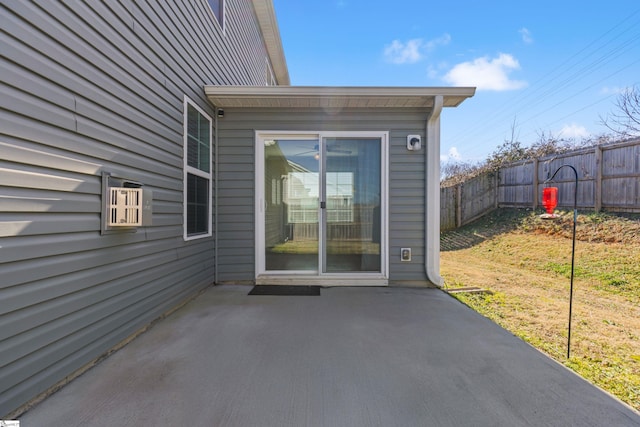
[[452, 154], [443, 40], [573, 131], [615, 90], [526, 35], [486, 74], [413, 50], [403, 53]]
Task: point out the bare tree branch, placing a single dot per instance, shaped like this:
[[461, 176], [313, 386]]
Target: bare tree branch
[[625, 120]]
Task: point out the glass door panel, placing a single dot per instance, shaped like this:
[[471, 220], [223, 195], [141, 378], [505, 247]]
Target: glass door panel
[[292, 191], [352, 194]]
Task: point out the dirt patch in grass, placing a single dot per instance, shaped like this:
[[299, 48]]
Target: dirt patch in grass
[[526, 262]]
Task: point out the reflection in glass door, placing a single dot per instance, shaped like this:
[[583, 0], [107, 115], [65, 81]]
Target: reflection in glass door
[[291, 190], [352, 195], [322, 205]]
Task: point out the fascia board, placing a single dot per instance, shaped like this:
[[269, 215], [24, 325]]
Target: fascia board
[[270, 31], [223, 96]]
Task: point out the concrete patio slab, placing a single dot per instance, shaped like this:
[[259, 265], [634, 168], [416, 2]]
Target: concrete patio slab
[[350, 357]]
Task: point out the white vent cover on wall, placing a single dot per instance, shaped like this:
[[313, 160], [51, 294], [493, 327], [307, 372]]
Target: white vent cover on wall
[[125, 207]]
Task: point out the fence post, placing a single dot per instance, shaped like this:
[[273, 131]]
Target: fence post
[[535, 184], [458, 193], [598, 183], [496, 180]]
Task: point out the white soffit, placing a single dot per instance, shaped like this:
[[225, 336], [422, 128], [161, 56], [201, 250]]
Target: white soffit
[[334, 97]]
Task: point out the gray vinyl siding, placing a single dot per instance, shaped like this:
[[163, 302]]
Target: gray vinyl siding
[[236, 182], [92, 87]]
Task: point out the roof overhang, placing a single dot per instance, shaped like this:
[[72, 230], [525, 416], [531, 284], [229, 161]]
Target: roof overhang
[[334, 97], [269, 27]]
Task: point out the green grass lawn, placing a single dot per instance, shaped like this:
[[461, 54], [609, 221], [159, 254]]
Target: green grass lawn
[[525, 262]]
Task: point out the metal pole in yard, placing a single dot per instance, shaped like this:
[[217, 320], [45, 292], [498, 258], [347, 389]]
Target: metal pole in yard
[[573, 248]]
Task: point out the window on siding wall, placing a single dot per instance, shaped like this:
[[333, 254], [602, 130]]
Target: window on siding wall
[[197, 172], [217, 6], [271, 80]]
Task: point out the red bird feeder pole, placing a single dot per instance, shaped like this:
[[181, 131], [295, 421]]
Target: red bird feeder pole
[[550, 201]]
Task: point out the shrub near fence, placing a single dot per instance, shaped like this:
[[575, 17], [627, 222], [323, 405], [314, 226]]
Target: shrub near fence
[[608, 179]]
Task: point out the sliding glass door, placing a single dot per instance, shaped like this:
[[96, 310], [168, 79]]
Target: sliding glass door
[[321, 208], [292, 195], [351, 220]]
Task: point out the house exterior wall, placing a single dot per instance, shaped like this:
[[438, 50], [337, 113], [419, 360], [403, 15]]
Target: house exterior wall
[[236, 183], [92, 87]]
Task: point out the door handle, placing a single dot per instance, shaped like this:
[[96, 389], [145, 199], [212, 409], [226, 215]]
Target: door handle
[[323, 205]]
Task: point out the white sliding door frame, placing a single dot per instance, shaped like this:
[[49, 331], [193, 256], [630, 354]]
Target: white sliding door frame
[[318, 277]]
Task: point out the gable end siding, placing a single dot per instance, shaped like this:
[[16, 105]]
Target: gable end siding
[[93, 87]]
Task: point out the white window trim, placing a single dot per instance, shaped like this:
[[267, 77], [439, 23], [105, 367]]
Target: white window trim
[[260, 203], [195, 171], [221, 22], [270, 77]]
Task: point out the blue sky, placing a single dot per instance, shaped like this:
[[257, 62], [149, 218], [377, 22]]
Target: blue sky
[[543, 67]]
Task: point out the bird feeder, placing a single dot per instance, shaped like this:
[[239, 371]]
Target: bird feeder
[[550, 201]]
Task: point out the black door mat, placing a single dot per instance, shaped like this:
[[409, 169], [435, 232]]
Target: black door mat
[[285, 290]]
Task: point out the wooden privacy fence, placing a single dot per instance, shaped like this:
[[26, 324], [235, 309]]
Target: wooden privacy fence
[[468, 201], [608, 179]]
